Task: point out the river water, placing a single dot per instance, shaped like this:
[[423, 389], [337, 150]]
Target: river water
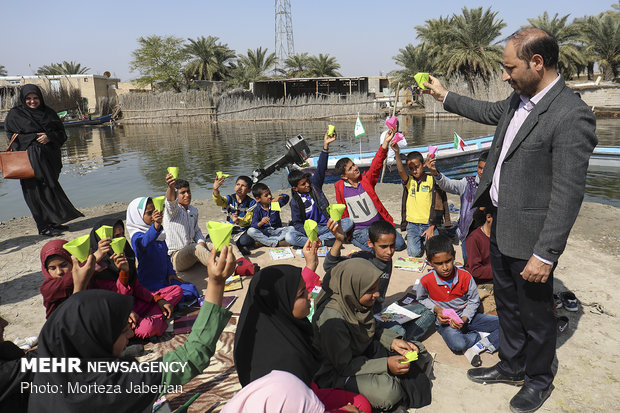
[[117, 164]]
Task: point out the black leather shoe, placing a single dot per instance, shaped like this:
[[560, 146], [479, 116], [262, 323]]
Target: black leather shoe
[[529, 399], [494, 375]]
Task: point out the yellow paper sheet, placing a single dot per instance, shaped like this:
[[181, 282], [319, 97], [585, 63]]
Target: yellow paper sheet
[[220, 233], [118, 245], [79, 247]]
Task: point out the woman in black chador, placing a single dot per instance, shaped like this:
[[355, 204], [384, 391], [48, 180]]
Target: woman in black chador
[[41, 133]]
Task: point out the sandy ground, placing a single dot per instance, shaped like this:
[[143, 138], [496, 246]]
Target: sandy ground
[[588, 352]]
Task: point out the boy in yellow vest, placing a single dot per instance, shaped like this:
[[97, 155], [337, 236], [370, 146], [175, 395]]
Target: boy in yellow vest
[[421, 200]]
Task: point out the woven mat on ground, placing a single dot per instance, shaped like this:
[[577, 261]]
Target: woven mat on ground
[[218, 383]]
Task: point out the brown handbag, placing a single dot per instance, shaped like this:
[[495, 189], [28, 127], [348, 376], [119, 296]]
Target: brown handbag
[[15, 164]]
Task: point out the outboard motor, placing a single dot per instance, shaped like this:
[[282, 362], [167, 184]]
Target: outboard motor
[[297, 153]]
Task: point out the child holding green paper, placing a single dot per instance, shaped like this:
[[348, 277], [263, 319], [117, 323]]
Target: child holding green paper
[[185, 241], [238, 208], [118, 273], [266, 223], [309, 201], [148, 239]]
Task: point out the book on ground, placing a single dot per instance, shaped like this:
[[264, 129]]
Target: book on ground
[[233, 283], [281, 253], [410, 263], [394, 312]]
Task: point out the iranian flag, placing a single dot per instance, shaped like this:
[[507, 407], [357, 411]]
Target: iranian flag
[[459, 143], [359, 128]]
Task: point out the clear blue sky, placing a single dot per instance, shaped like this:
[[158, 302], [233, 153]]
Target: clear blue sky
[[363, 35]]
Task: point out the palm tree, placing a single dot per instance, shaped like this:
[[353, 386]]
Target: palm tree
[[258, 62], [3, 71], [472, 51], [210, 59], [297, 65], [571, 54], [64, 68], [251, 67], [437, 34], [602, 37], [323, 66], [413, 59]]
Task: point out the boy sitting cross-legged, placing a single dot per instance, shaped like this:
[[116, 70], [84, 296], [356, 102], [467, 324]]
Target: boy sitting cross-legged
[[266, 225], [450, 288], [309, 201], [357, 192]]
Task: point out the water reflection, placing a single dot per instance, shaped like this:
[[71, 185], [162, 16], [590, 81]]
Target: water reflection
[[107, 165]]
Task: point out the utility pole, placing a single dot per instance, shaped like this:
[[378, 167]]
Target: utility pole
[[284, 30]]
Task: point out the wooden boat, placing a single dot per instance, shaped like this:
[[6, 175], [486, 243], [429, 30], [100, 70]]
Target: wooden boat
[[452, 162], [82, 122], [89, 122]]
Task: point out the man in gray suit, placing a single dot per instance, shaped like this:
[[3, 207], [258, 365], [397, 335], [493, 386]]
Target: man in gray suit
[[535, 176]]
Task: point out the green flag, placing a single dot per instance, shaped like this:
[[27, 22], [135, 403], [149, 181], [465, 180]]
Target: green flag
[[359, 128]]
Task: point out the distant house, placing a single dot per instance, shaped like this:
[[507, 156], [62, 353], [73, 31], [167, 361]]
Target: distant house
[[65, 88], [319, 86]]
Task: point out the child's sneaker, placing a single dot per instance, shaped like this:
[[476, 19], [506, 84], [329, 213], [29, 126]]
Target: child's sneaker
[[569, 301], [473, 354], [557, 302], [562, 324]]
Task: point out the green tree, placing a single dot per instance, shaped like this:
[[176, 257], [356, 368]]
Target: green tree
[[572, 56], [160, 61], [64, 68], [602, 37], [297, 65], [437, 34], [210, 59], [3, 71], [472, 50], [413, 59], [258, 62], [323, 66]]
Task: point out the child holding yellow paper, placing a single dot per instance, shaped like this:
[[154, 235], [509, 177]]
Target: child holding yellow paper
[[148, 239], [117, 272], [185, 241], [266, 225], [309, 201], [238, 208]]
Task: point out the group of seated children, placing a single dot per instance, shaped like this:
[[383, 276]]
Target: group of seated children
[[340, 360]]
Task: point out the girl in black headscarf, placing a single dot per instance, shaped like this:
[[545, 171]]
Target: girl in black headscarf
[[274, 332], [41, 133]]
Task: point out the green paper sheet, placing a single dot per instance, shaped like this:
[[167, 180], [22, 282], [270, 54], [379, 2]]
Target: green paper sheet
[[220, 233], [118, 245], [411, 356], [331, 129], [158, 202], [335, 211], [421, 77], [105, 231], [312, 229], [221, 175], [275, 206], [79, 247], [174, 171]]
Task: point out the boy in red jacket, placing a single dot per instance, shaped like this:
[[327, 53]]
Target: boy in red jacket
[[357, 192]]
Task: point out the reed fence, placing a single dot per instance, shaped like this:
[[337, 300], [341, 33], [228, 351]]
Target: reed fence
[[493, 90], [168, 107], [297, 108]]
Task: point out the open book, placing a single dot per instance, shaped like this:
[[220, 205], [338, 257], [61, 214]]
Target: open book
[[394, 312], [410, 263]]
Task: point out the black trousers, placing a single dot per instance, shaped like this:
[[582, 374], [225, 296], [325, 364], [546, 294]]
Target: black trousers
[[527, 323]]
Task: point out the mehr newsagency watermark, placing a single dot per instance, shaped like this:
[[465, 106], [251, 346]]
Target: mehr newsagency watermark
[[76, 365]]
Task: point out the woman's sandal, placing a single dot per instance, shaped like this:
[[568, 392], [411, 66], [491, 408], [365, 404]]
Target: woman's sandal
[[50, 232]]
